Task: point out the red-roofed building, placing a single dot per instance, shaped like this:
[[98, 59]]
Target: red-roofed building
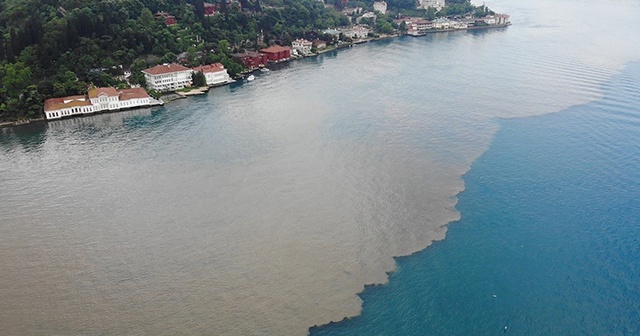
[[104, 98], [134, 97], [277, 53], [251, 59], [97, 100], [169, 19], [209, 9], [215, 73], [167, 77], [55, 108]]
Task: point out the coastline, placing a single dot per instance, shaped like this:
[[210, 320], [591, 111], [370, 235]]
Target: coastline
[[171, 96], [195, 131]]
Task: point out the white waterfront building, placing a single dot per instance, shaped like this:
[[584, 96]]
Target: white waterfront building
[[167, 77], [357, 32], [97, 100], [302, 46], [55, 108], [104, 98], [215, 74]]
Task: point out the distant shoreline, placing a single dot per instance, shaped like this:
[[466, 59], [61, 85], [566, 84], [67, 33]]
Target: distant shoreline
[[177, 96]]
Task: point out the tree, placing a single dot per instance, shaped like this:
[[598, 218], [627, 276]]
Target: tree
[[431, 13], [2, 47], [402, 26], [146, 18], [16, 78], [198, 79], [223, 47], [137, 77], [169, 57], [31, 101], [192, 56], [232, 67]]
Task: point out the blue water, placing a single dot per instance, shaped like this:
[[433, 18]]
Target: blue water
[[549, 238]]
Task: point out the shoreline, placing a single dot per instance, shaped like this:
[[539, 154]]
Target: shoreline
[[169, 97]]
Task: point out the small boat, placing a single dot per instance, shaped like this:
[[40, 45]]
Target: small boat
[[264, 70], [251, 77]]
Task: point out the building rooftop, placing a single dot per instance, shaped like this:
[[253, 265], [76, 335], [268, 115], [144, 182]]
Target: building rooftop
[[133, 93], [331, 31], [274, 49], [248, 54], [109, 91], [209, 68], [165, 69], [53, 104], [303, 41]]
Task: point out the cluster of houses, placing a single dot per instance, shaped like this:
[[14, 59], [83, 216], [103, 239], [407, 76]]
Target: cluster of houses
[[276, 54], [302, 47], [173, 77], [378, 6], [170, 20], [161, 78], [355, 32], [421, 26]]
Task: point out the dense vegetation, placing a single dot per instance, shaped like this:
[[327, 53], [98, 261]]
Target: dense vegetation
[[52, 48], [57, 47]]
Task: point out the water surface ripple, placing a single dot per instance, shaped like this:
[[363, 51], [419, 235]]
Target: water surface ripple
[[264, 208]]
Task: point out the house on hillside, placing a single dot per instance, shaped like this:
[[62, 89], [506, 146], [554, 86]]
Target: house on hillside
[[169, 19], [167, 77], [277, 53], [215, 74], [368, 15], [352, 11], [332, 32], [251, 59], [380, 6], [209, 9], [425, 4]]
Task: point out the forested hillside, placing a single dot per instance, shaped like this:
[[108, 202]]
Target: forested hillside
[[57, 47], [53, 48]]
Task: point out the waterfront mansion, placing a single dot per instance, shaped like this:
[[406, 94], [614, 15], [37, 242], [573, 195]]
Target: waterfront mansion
[[215, 74], [167, 77], [97, 100]]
